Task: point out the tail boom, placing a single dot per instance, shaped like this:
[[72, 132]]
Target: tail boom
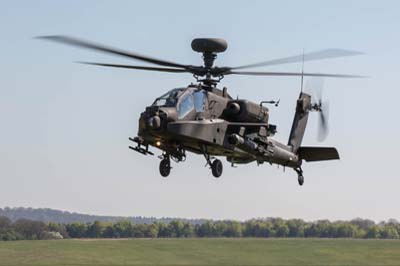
[[300, 121]]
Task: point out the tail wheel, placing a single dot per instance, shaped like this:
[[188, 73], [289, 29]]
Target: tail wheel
[[165, 167], [217, 168], [300, 177], [301, 180]]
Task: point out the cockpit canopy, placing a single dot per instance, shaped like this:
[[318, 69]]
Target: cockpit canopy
[[168, 99], [184, 99]]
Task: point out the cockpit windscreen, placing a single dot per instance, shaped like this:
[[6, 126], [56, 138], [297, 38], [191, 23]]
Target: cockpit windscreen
[[168, 99]]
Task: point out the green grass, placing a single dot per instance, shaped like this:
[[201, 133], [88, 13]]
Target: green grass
[[201, 252]]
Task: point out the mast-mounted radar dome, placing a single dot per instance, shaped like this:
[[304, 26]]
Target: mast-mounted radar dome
[[209, 45]]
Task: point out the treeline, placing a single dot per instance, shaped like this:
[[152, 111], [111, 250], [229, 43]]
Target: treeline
[[270, 227], [50, 215]]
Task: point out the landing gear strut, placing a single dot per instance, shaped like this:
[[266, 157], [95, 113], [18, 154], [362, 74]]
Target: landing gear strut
[[216, 165], [300, 177], [165, 166]]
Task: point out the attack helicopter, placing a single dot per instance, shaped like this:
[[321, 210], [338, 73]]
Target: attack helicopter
[[203, 119]]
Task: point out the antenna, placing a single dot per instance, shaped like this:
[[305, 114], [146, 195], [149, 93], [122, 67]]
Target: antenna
[[302, 73]]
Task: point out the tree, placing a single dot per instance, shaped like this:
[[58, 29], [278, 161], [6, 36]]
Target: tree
[[163, 230], [123, 228], [248, 228], [5, 224], [265, 229], [188, 230], [280, 228], [206, 229], [364, 224], [219, 229], [30, 229], [258, 228], [228, 229], [296, 228], [109, 232], [10, 235], [323, 228], [95, 229], [151, 230], [373, 232], [77, 230], [139, 230], [389, 232], [176, 228], [346, 230], [60, 228]]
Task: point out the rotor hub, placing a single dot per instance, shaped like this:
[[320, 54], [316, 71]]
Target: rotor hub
[[209, 47]]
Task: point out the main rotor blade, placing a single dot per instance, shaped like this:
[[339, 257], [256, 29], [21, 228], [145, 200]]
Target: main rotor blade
[[173, 70], [315, 87], [292, 74], [106, 49], [323, 54]]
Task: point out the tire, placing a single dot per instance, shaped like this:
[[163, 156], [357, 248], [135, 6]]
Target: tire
[[165, 167], [217, 168], [301, 180]]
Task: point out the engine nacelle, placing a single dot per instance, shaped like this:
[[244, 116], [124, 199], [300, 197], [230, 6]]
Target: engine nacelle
[[234, 108], [246, 111]]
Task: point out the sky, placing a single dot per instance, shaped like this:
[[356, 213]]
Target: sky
[[65, 126]]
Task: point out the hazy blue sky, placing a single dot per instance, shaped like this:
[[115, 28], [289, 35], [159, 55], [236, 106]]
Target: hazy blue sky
[[65, 127]]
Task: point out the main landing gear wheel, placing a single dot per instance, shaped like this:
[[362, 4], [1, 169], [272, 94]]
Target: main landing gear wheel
[[217, 168], [165, 167]]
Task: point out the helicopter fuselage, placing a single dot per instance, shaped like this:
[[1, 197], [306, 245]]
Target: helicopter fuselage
[[206, 120]]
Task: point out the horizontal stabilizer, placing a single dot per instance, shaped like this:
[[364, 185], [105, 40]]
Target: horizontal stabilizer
[[312, 154]]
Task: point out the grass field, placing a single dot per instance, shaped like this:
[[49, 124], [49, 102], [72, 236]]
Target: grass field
[[201, 252]]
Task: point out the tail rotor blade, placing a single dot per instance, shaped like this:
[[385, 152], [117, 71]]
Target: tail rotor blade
[[323, 127], [315, 87]]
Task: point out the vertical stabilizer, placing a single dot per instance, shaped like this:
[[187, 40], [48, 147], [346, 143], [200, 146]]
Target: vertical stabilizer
[[299, 121]]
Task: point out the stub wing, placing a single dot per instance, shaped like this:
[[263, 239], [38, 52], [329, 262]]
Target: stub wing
[[312, 154]]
